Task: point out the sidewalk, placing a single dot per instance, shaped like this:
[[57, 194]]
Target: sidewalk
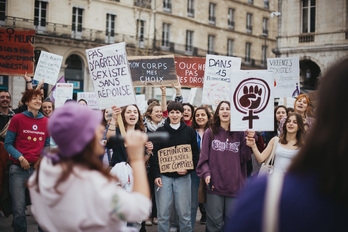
[[5, 224]]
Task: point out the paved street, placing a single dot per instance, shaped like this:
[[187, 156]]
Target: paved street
[[5, 224]]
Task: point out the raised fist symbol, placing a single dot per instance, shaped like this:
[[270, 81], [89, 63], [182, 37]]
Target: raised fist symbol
[[251, 97]]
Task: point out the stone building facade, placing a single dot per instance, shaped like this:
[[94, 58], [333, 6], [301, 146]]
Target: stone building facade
[[241, 28], [316, 31]]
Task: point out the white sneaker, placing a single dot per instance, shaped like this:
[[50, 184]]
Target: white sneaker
[[173, 229]]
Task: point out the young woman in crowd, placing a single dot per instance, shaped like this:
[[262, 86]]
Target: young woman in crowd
[[188, 113], [222, 165], [71, 191], [279, 113], [25, 139], [302, 107], [313, 193], [200, 122], [174, 187], [290, 141], [132, 121], [153, 120], [47, 108]]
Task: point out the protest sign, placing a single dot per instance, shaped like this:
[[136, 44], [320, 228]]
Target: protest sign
[[190, 71], [90, 98], [63, 92], [172, 159], [286, 76], [108, 67], [48, 67], [141, 103], [252, 102], [153, 70], [16, 51], [217, 77]]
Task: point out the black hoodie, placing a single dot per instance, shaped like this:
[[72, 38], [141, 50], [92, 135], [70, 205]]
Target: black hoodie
[[184, 135]]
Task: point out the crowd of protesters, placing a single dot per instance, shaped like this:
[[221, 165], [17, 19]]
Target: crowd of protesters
[[59, 160]]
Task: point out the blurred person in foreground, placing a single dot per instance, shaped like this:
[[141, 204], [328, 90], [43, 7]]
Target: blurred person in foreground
[[313, 193], [71, 191]]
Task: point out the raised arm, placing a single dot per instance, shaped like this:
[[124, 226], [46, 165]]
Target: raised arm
[[28, 81], [163, 98], [260, 157], [113, 123]]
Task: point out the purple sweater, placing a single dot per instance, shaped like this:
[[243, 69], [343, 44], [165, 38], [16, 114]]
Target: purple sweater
[[224, 157]]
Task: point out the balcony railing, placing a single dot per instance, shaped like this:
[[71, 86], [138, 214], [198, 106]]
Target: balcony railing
[[306, 38], [143, 3]]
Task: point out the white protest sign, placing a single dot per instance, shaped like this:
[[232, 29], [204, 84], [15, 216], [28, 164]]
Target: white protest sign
[[48, 67], [90, 98], [286, 76], [63, 92], [108, 67], [141, 103], [216, 85], [252, 101]]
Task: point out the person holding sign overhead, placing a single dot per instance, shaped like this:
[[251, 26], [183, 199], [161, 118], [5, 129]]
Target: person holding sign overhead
[[131, 120], [223, 166], [175, 159]]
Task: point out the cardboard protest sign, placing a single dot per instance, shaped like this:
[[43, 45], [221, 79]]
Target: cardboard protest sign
[[286, 76], [172, 159], [153, 70], [16, 51], [90, 98], [48, 67], [108, 67], [63, 92], [252, 102], [190, 71], [217, 78]]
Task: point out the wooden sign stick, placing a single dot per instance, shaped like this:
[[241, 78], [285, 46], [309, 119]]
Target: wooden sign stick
[[121, 125]]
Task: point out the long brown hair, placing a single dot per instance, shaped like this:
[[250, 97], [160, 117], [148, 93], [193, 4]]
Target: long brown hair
[[300, 132], [215, 125], [139, 125], [86, 159], [194, 124], [325, 152]]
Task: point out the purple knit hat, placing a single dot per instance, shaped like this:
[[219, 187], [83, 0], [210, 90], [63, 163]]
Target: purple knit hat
[[72, 127]]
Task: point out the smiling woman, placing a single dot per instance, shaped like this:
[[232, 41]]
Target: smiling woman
[[25, 139], [131, 120]]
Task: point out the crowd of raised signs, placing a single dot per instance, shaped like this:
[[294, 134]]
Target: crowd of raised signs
[[201, 164]]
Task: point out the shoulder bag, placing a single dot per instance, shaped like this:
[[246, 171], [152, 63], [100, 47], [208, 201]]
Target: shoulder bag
[[268, 164]]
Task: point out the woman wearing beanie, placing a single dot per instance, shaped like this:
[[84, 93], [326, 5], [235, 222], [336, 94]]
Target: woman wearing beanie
[[71, 191]]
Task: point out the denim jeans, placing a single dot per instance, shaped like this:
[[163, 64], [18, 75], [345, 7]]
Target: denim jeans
[[18, 178], [194, 197], [176, 190], [218, 211]]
